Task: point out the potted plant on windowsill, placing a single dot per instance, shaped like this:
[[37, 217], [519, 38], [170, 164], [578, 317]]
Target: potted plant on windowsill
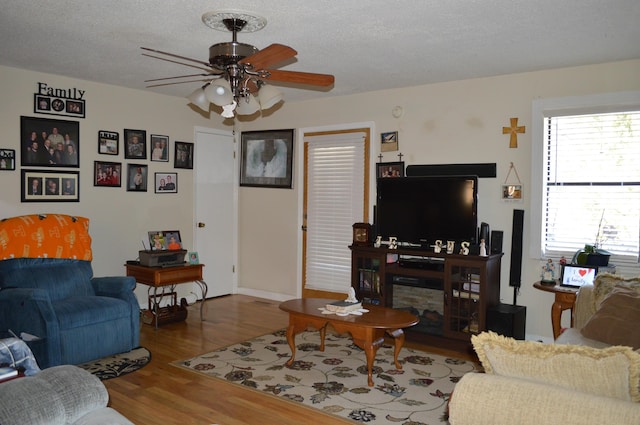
[[591, 255]]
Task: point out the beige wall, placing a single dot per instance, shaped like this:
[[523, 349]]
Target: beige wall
[[442, 123]]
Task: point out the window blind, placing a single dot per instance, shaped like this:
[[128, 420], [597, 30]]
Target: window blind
[[335, 200], [592, 186]]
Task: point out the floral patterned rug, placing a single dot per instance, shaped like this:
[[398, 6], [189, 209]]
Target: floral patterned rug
[[335, 381], [119, 364]]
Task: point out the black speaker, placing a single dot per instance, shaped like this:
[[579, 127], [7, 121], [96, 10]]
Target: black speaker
[[484, 234], [515, 271], [508, 320], [496, 241]]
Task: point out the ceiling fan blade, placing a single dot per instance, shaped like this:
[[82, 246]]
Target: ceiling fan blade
[[179, 63], [176, 56], [177, 82], [309, 78], [179, 76], [269, 56]]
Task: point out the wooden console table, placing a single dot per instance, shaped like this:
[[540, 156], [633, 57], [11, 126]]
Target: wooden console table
[[162, 277], [565, 298]]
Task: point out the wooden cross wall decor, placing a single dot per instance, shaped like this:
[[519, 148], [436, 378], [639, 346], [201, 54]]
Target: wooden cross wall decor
[[513, 131]]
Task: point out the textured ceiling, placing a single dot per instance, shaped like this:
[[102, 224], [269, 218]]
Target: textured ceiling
[[368, 45]]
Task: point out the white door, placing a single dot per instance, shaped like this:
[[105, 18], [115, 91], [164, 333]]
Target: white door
[[216, 207]]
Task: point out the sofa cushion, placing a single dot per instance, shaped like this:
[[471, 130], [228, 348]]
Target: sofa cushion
[[612, 372], [605, 282], [616, 321]]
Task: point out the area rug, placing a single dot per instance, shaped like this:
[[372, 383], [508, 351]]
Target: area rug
[[335, 381], [119, 364]]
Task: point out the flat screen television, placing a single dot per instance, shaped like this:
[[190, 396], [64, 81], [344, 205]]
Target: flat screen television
[[421, 210]]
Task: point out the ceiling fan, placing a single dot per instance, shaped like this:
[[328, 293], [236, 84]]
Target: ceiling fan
[[236, 74]]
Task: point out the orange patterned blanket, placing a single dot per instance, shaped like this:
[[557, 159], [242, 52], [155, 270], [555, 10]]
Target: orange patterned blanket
[[45, 236]]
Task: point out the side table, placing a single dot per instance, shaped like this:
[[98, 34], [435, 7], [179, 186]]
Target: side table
[[161, 277], [565, 298]]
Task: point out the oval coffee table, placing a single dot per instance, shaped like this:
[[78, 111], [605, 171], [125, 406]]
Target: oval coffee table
[[367, 330]]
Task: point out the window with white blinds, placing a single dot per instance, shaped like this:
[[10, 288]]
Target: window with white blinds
[[591, 187], [335, 200]]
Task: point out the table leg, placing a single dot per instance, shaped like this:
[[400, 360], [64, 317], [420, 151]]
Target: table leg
[[398, 339], [203, 290]]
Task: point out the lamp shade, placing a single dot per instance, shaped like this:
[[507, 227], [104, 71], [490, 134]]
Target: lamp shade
[[247, 105], [219, 92], [199, 99], [269, 96]]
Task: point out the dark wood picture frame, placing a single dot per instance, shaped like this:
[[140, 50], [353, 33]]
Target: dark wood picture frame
[[166, 182], [135, 144], [137, 177], [183, 155], [390, 169], [52, 186], [108, 142], [267, 158], [107, 174], [34, 130], [159, 148], [7, 159]]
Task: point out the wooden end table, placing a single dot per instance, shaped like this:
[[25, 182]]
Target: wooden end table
[[163, 277], [565, 298], [367, 330]]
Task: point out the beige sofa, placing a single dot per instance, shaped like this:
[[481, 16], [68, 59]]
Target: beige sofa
[[577, 380]]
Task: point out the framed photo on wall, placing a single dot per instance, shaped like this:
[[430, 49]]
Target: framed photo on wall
[[50, 186], [266, 158], [166, 182], [107, 174], [108, 142], [7, 159], [135, 144], [137, 177], [159, 148], [389, 141], [183, 156], [49, 142], [389, 169]]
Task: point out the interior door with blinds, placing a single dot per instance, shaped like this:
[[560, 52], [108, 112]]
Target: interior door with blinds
[[336, 188]]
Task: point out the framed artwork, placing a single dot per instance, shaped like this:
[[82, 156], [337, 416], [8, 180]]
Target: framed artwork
[[7, 159], [49, 142], [53, 105], [389, 141], [512, 191], [266, 158], [137, 177], [108, 142], [159, 148], [135, 144], [50, 186], [107, 174], [389, 169], [183, 155], [166, 182], [193, 257]]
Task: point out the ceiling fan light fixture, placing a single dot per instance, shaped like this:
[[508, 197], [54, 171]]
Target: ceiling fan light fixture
[[227, 110], [219, 93], [248, 105], [269, 96], [199, 99]]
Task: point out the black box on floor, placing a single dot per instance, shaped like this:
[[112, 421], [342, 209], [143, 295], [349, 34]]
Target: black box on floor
[[508, 320]]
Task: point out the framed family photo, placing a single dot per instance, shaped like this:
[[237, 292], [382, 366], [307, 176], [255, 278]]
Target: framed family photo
[[389, 169], [49, 142], [183, 156], [107, 174], [108, 142], [159, 148], [7, 159], [52, 105], [166, 182], [137, 175], [135, 144], [266, 158], [50, 186]]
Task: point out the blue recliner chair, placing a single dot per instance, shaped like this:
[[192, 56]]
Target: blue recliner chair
[[55, 297]]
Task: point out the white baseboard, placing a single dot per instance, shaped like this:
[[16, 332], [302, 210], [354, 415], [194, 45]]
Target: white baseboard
[[264, 294]]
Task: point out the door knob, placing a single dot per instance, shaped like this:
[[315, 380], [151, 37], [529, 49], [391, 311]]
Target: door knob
[[201, 224]]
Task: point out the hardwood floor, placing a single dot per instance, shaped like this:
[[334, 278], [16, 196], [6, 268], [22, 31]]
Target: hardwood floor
[[161, 393]]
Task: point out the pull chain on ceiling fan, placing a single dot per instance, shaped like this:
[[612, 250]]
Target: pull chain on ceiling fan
[[236, 74]]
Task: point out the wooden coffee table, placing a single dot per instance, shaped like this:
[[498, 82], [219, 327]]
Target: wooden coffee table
[[367, 330]]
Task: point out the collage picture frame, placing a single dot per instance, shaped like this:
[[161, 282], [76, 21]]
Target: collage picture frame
[[49, 186]]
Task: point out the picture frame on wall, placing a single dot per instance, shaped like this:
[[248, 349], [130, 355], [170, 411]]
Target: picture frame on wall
[[50, 186], [7, 159], [137, 176], [389, 141], [166, 182], [108, 142], [135, 144], [390, 169], [53, 105], [266, 158], [107, 174], [49, 142], [159, 148], [183, 155]]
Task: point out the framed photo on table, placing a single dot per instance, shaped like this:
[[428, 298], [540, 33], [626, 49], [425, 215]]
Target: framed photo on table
[[389, 169], [266, 158]]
